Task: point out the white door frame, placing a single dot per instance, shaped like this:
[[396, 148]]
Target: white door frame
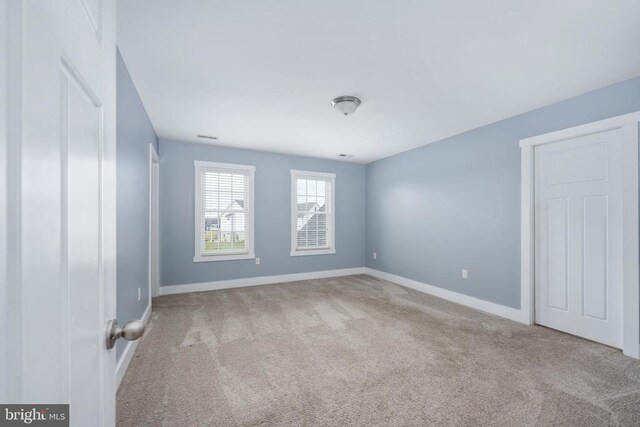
[[154, 232], [631, 292]]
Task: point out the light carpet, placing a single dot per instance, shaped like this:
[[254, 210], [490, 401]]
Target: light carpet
[[364, 352]]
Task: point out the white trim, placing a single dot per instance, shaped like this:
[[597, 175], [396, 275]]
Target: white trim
[[630, 256], [313, 174], [108, 205], [130, 349], [631, 307], [218, 165], [229, 257], [466, 300], [154, 158], [304, 252], [331, 178], [582, 130], [527, 240], [6, 321], [257, 281], [249, 223]]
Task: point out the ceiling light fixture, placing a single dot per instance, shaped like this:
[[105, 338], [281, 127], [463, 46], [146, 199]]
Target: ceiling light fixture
[[346, 104]]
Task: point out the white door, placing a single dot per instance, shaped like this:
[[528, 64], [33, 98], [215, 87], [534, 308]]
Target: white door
[[59, 214], [578, 228]]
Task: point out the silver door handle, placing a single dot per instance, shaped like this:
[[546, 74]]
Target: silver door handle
[[131, 331]]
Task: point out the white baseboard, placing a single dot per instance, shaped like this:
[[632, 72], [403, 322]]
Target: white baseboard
[[466, 300], [129, 350], [255, 281], [486, 306]]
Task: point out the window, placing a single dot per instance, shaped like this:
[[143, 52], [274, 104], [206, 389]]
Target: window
[[312, 213], [224, 212]]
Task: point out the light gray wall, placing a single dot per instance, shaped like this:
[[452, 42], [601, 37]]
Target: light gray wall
[[134, 134], [455, 203], [272, 214]]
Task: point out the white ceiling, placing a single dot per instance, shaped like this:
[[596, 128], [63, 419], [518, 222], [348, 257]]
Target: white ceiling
[[261, 74]]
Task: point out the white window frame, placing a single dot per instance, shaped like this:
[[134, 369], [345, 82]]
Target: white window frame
[[331, 177], [249, 221]]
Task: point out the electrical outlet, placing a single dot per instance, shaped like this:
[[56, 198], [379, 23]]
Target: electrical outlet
[[375, 255], [257, 261], [465, 274], [139, 294]]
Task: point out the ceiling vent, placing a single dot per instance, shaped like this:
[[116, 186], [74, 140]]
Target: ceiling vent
[[207, 137]]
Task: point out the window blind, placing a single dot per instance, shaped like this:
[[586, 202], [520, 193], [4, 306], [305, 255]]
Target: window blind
[[313, 213], [225, 211]]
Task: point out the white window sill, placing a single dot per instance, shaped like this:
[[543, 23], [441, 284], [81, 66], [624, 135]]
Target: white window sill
[[304, 252], [230, 257]]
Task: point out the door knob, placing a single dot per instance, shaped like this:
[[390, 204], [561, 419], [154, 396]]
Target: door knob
[[131, 331]]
